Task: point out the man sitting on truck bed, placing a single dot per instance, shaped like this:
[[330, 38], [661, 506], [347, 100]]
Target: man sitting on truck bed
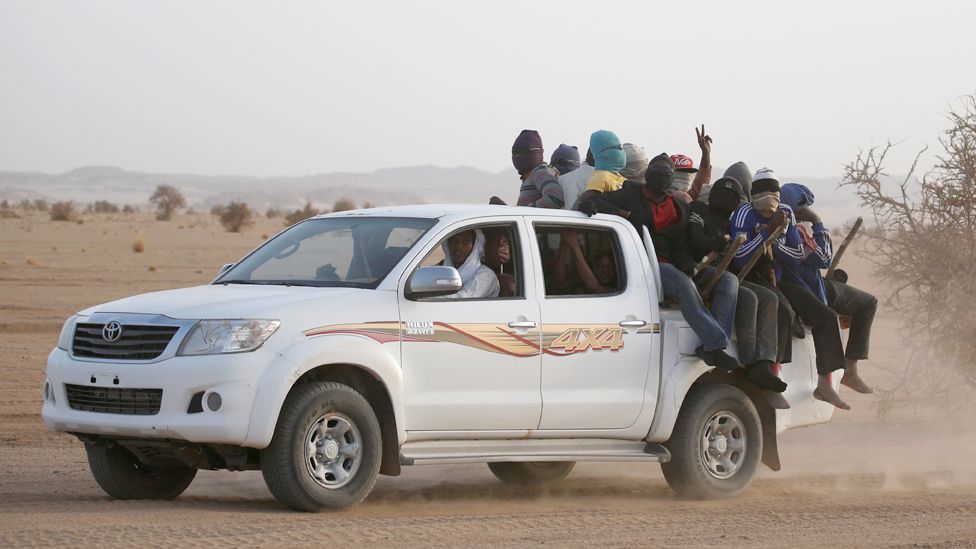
[[755, 310], [841, 297], [651, 205], [757, 220]]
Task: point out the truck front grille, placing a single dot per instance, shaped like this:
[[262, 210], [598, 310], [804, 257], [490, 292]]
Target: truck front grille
[[111, 400], [137, 342]]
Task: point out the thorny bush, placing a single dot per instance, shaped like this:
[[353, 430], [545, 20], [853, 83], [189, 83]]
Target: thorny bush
[[924, 248]]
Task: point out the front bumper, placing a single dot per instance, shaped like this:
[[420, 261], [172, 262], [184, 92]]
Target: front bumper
[[234, 376]]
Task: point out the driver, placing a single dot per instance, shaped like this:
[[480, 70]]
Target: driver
[[464, 252]]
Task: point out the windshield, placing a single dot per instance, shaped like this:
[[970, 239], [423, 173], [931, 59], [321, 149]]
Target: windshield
[[355, 252]]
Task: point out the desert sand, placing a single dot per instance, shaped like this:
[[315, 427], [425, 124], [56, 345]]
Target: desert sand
[[858, 481]]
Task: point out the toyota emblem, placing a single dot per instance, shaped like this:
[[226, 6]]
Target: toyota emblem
[[112, 331]]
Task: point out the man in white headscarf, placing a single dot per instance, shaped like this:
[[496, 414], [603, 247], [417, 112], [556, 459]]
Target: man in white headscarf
[[464, 251]]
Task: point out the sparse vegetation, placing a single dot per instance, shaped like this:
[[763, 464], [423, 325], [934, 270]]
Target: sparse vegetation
[[102, 206], [924, 247], [139, 246], [41, 205], [301, 215], [272, 213], [237, 217], [343, 204], [167, 199], [129, 209], [218, 210], [64, 211]]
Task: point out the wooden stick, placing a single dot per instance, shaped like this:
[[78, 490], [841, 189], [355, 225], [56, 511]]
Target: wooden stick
[[760, 253], [843, 246], [705, 262], [724, 264]]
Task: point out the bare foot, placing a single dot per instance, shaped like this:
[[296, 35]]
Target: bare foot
[[854, 381], [826, 393]]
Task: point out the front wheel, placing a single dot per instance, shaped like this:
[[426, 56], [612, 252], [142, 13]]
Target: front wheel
[[326, 450], [122, 476], [531, 472], [716, 444]]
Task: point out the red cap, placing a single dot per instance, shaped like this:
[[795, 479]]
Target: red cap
[[683, 163]]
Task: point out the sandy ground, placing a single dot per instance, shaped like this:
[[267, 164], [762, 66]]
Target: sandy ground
[[857, 481]]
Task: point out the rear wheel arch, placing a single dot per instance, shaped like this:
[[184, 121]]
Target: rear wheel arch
[[767, 415], [375, 392]]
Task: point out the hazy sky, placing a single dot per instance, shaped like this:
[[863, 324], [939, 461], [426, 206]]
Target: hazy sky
[[290, 88]]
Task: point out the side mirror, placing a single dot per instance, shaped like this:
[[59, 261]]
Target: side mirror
[[433, 282], [224, 269]]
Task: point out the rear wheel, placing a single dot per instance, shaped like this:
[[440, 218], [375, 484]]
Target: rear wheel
[[122, 476], [326, 450], [716, 444], [531, 472]]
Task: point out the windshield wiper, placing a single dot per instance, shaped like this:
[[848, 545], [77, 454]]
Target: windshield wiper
[[242, 282]]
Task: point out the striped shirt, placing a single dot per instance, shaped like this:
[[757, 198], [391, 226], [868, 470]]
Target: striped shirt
[[541, 189]]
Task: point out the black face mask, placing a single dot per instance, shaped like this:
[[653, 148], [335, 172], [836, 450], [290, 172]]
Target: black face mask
[[658, 182], [723, 201]]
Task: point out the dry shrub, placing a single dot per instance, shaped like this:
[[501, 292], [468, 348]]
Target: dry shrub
[[41, 205], [924, 248], [129, 209], [272, 213], [139, 246], [301, 215], [237, 217], [367, 205], [9, 214], [102, 206], [218, 210], [64, 211], [4, 205], [167, 199], [343, 204], [33, 262], [152, 268]]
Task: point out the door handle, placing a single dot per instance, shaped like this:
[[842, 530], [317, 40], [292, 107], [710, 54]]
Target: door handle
[[632, 323], [523, 324]]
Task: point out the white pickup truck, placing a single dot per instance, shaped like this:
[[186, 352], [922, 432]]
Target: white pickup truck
[[336, 351]]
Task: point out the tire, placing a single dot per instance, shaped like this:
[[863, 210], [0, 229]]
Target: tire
[[122, 476], [326, 450], [716, 444], [531, 472]]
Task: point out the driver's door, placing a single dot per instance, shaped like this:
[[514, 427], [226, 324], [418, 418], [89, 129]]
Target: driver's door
[[472, 364]]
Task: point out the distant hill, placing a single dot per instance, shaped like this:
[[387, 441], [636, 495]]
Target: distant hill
[[406, 185], [383, 187]]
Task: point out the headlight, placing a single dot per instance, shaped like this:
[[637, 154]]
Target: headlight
[[68, 333], [209, 337]]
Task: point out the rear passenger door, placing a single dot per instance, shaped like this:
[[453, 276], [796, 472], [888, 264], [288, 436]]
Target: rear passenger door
[[597, 340]]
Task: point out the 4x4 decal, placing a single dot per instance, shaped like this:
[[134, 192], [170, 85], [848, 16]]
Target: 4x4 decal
[[556, 339]]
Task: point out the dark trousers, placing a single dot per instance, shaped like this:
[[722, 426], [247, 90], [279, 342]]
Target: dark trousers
[[784, 321], [823, 323], [756, 329], [860, 306]]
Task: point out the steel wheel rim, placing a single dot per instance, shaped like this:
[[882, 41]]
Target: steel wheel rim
[[333, 450], [723, 445]]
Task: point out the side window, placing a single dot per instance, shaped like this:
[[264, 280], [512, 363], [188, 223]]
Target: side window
[[580, 261], [488, 258]]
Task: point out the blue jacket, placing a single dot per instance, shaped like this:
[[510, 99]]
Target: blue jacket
[[787, 250], [807, 272]]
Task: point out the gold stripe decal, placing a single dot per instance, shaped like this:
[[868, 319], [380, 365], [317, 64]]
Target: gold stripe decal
[[555, 340]]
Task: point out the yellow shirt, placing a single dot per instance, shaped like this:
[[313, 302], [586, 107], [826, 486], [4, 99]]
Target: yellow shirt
[[604, 181]]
